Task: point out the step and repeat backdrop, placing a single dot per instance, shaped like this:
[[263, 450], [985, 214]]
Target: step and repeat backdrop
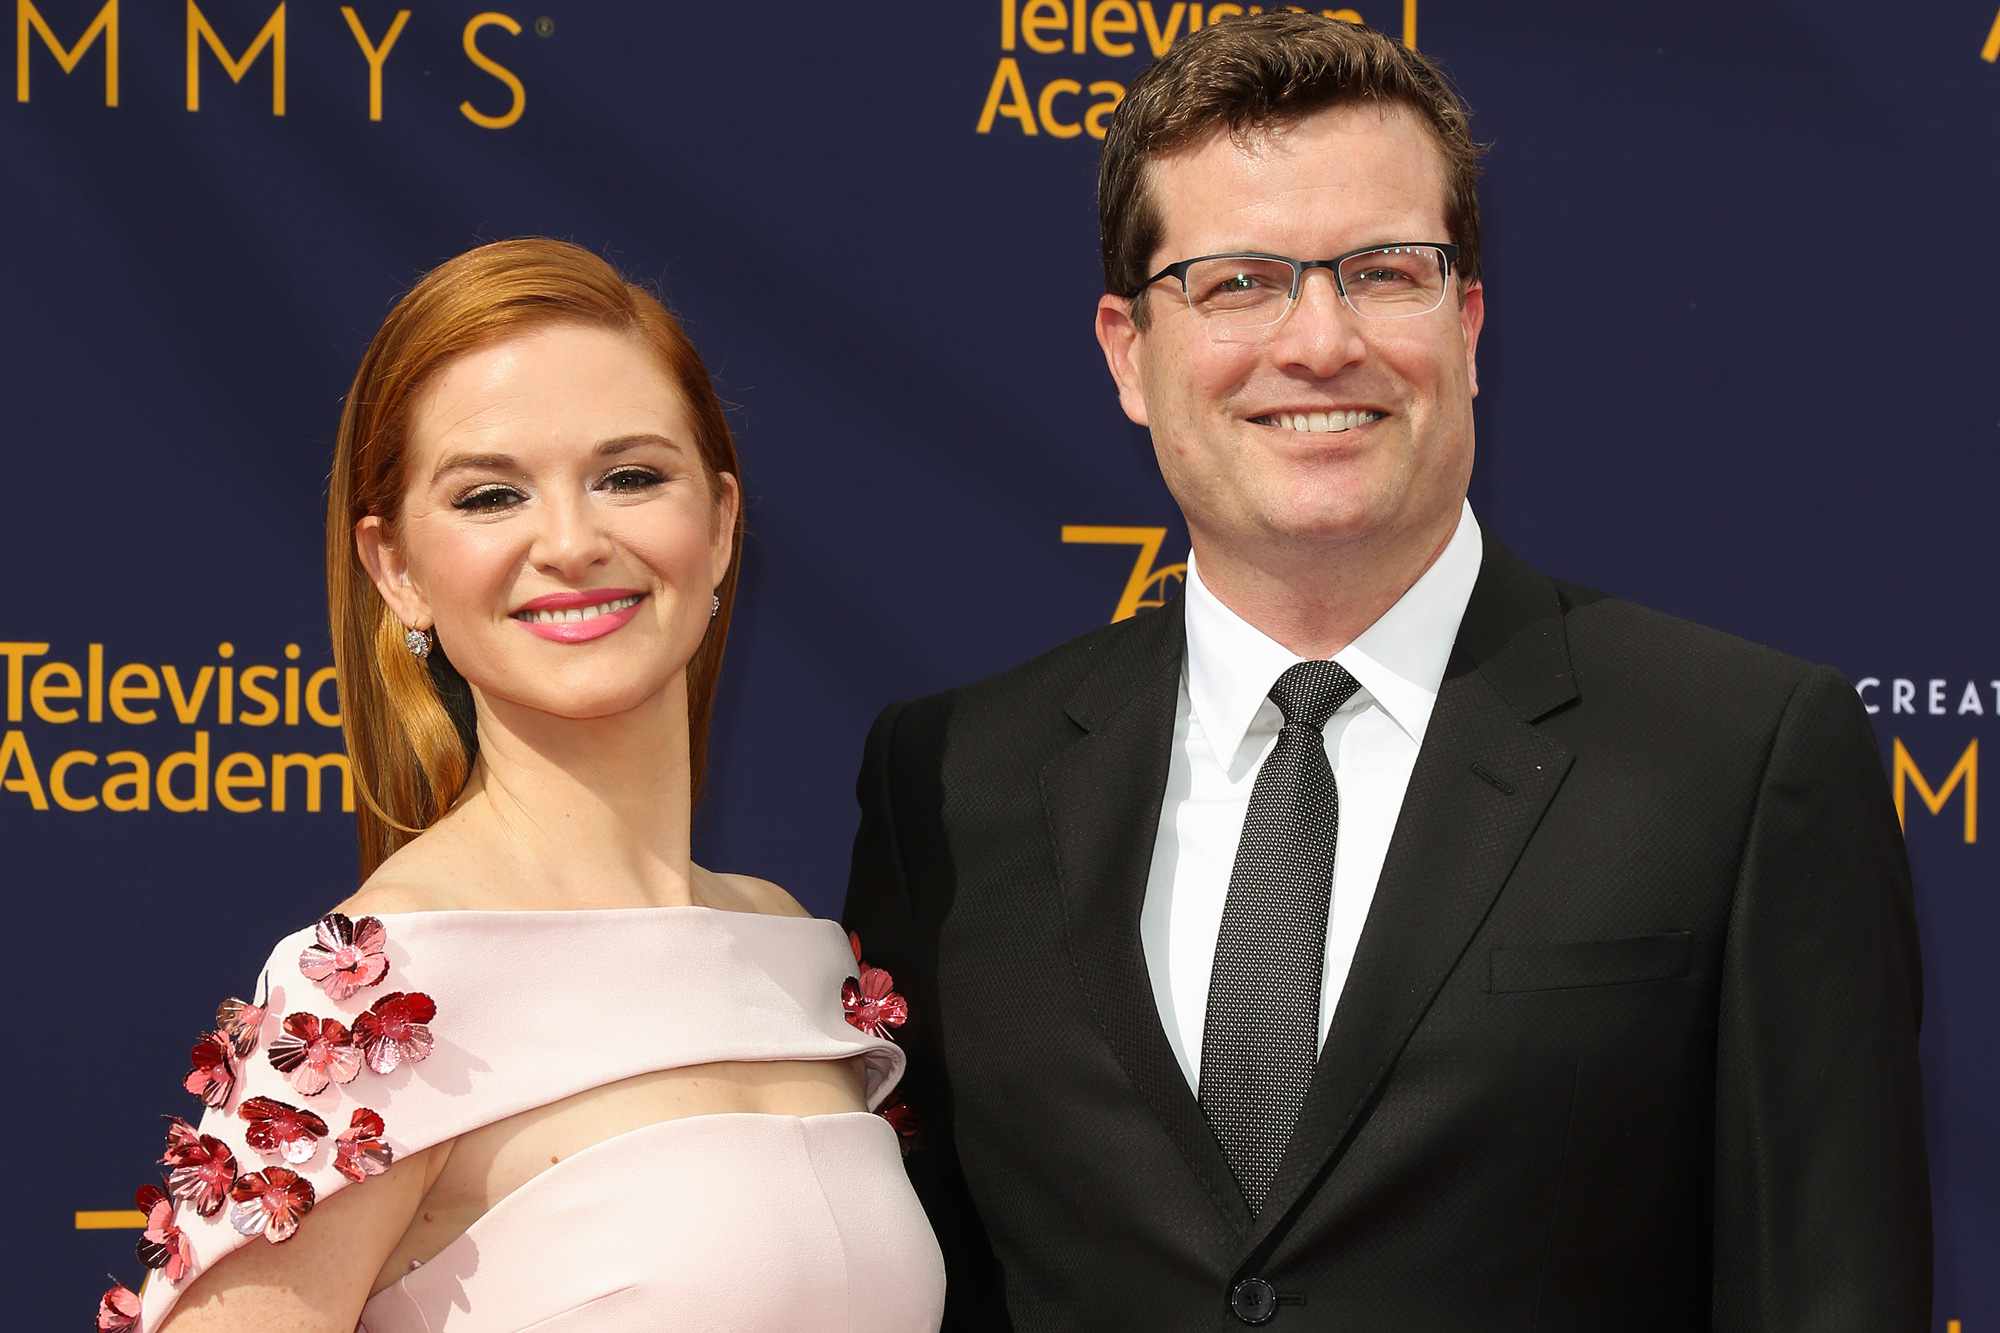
[[1740, 364]]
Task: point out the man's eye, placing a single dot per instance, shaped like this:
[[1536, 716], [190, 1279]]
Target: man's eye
[[486, 498], [632, 479], [1381, 277]]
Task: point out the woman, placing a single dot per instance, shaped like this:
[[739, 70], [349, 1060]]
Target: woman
[[542, 1069]]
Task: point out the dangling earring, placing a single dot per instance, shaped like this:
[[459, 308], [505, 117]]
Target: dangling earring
[[418, 641], [715, 606]]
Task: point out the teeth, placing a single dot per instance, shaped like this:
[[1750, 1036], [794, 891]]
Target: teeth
[[576, 612], [1319, 423]]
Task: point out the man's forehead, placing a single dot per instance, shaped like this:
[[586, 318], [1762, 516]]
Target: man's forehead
[[1381, 155]]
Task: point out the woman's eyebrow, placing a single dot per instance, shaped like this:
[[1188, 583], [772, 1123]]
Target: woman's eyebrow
[[625, 443], [467, 462], [619, 444]]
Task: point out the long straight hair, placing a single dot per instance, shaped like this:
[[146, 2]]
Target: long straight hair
[[408, 722]]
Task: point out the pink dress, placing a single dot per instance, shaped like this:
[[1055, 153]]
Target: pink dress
[[733, 1221]]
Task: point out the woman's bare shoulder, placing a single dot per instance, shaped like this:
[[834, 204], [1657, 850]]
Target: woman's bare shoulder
[[747, 893], [417, 877]]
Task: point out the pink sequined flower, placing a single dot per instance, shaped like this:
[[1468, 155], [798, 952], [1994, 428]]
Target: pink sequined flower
[[270, 1203], [395, 1028], [903, 1120], [280, 1129], [312, 1052], [237, 1021], [212, 1078], [117, 1310], [348, 955], [870, 999], [200, 1167], [162, 1245], [359, 1151]]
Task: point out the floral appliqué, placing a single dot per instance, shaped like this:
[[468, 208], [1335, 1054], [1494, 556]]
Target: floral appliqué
[[213, 1077], [874, 1007], [200, 1167], [395, 1028], [359, 1152], [346, 956], [281, 1129], [312, 1052], [903, 1120], [270, 1203], [870, 999], [237, 1021], [117, 1309], [162, 1245]]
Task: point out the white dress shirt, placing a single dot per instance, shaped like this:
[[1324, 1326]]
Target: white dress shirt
[[1224, 725]]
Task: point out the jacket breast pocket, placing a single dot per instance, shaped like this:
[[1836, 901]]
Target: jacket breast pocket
[[1582, 963]]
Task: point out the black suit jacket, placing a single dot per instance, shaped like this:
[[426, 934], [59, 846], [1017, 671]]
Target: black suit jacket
[[1629, 1041]]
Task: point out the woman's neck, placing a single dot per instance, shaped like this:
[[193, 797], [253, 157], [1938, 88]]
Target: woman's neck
[[580, 813]]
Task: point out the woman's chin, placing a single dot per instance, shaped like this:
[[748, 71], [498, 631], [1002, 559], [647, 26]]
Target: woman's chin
[[582, 701]]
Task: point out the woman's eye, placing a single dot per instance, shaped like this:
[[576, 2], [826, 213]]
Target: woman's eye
[[631, 479], [486, 498]]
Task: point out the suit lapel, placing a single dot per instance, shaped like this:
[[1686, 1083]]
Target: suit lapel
[[1482, 779], [1102, 795]]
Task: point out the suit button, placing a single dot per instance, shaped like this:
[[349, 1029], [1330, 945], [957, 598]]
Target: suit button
[[1253, 1300]]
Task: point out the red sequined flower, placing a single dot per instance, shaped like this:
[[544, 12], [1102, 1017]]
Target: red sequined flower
[[312, 1052], [237, 1021], [117, 1310], [395, 1028], [200, 1167], [162, 1245], [270, 1203], [347, 956], [213, 1078], [359, 1151], [281, 1129], [902, 1119], [870, 999]]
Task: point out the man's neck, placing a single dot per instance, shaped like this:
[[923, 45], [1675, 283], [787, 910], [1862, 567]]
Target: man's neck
[[1314, 599]]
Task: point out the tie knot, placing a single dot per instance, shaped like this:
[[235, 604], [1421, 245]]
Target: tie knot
[[1311, 692]]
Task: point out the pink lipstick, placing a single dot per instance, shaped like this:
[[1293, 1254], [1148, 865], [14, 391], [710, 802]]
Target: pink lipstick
[[578, 617]]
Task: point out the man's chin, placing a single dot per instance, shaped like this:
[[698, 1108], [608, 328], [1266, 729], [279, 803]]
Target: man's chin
[[1325, 523]]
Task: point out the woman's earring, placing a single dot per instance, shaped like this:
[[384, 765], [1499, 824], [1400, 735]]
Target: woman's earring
[[418, 641], [715, 606]]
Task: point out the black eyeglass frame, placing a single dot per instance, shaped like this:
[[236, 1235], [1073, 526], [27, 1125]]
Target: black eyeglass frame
[[1178, 270]]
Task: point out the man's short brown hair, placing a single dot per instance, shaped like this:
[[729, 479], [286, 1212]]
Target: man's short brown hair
[[1260, 72]]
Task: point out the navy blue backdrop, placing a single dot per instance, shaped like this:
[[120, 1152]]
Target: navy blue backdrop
[[1739, 364]]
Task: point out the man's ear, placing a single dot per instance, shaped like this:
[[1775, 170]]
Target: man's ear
[[1124, 345], [1471, 319], [390, 573]]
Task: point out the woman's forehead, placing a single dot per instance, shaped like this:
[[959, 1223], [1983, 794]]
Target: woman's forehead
[[559, 387]]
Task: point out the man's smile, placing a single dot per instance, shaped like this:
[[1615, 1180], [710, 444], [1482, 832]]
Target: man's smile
[[1320, 422]]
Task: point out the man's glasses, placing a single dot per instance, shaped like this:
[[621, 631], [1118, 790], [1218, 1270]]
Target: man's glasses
[[1244, 297]]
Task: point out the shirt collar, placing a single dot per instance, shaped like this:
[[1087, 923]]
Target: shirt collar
[[1399, 660]]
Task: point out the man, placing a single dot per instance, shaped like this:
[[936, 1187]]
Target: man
[[1383, 937]]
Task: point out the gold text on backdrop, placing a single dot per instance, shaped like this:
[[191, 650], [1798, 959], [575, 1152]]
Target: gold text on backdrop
[[1036, 105], [270, 44]]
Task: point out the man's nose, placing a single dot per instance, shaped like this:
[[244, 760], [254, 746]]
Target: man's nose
[[1322, 335], [571, 539]]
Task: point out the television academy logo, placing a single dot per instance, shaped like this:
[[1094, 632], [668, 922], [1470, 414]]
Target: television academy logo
[[1064, 102], [1148, 585]]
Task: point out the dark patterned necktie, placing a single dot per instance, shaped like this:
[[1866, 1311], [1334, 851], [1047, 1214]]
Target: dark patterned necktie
[[1260, 1039]]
